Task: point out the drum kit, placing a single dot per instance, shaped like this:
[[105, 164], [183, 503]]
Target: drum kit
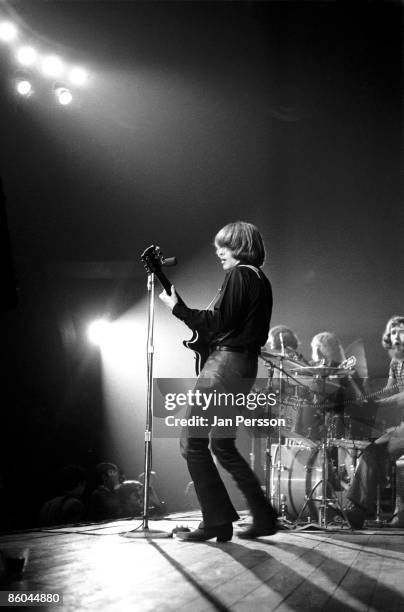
[[311, 457]]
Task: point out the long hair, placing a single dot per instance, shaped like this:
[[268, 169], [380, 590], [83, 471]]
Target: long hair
[[395, 320], [290, 340], [244, 240], [326, 345]]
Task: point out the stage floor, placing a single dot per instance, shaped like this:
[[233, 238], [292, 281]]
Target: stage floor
[[96, 568]]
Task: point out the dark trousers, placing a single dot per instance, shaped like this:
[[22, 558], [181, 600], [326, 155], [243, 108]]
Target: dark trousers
[[373, 467], [370, 473], [226, 372]]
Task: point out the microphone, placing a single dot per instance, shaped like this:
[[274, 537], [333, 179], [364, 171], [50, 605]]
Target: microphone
[[169, 261]]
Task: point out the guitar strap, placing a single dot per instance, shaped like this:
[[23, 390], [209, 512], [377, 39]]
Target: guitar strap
[[218, 292], [213, 300], [256, 270], [227, 334]]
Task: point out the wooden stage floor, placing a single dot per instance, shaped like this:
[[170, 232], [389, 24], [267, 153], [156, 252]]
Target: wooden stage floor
[[97, 568]]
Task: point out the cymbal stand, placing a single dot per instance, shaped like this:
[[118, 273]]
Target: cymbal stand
[[268, 445], [279, 465], [269, 466], [276, 498], [325, 484]]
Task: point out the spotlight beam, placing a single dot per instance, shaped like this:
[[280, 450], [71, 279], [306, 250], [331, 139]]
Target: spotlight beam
[[98, 331]]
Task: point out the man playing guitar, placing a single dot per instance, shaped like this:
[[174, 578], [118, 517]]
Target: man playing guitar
[[371, 470], [236, 329]]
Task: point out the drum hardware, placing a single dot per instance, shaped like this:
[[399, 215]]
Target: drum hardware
[[378, 519], [288, 360], [324, 499], [339, 427], [284, 510], [301, 472], [278, 489], [321, 379], [393, 475], [283, 487], [322, 371], [272, 492], [268, 456], [283, 358]]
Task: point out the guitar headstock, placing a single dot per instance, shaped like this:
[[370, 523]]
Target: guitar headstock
[[152, 259], [349, 363]]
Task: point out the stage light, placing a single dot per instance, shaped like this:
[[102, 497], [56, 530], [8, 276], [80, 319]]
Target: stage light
[[26, 56], [52, 66], [64, 96], [8, 31], [99, 331], [78, 75], [23, 87]]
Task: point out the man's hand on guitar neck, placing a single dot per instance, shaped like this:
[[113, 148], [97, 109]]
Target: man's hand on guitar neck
[[169, 300]]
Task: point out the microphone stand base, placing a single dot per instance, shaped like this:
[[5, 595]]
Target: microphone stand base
[[147, 534]]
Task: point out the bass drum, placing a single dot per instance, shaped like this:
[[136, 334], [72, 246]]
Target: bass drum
[[300, 473]]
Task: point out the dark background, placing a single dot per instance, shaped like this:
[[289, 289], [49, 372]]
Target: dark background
[[285, 114]]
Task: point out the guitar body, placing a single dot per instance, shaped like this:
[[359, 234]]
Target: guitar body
[[152, 259], [200, 348]]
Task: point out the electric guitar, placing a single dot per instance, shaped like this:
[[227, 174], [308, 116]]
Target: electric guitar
[[153, 259]]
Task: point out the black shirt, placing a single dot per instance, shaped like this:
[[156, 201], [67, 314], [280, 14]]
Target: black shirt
[[241, 315]]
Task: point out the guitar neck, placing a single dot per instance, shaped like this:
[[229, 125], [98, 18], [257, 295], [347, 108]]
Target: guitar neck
[[165, 283]]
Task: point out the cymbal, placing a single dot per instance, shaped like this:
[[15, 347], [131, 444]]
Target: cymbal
[[320, 370], [287, 360]]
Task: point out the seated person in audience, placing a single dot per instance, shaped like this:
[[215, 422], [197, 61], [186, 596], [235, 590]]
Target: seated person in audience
[[372, 467], [104, 500], [130, 494], [156, 505], [67, 507]]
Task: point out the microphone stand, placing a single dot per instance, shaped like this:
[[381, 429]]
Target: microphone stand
[[144, 531], [280, 500]]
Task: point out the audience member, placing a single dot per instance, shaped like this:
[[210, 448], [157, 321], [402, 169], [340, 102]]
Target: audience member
[[104, 500], [67, 507], [130, 494]]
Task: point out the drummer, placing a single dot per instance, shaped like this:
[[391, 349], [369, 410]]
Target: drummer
[[326, 349], [338, 391]]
